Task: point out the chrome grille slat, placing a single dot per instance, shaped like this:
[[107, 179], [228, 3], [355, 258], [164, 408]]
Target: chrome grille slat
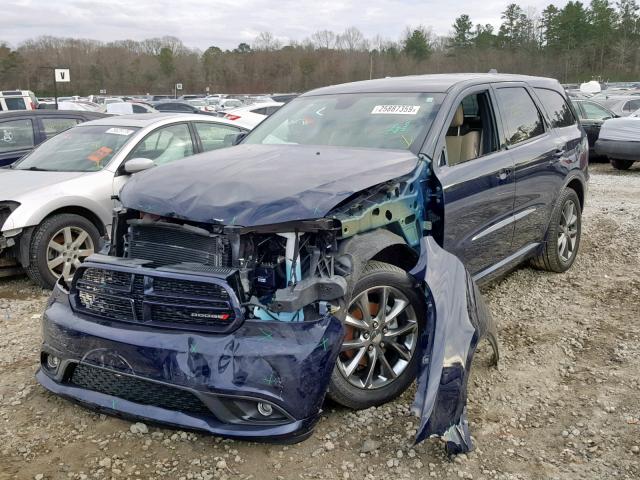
[[153, 299]]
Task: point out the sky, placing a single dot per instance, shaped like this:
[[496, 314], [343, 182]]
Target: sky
[[226, 23]]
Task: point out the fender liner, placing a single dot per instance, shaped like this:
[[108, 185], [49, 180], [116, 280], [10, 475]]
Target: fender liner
[[363, 247]]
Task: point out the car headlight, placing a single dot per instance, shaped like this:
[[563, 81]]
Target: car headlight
[[6, 208]]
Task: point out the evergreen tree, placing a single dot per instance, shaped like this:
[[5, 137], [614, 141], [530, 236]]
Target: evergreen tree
[[462, 32], [416, 45]]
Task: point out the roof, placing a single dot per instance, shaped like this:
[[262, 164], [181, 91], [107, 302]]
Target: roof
[[144, 119], [50, 113], [430, 83]]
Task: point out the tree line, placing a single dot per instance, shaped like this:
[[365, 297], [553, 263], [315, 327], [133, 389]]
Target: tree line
[[575, 43]]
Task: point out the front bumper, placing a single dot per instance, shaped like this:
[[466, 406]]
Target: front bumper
[[284, 365]]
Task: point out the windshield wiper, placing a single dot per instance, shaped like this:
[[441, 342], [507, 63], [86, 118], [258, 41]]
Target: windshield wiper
[[36, 169]]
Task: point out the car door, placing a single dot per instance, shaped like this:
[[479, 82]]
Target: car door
[[478, 192], [17, 138], [163, 145], [538, 152], [592, 116]]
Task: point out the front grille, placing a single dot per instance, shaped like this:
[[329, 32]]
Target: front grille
[[144, 296], [167, 245], [136, 390]]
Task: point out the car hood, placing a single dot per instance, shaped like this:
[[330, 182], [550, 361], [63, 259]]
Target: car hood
[[252, 185], [16, 183]]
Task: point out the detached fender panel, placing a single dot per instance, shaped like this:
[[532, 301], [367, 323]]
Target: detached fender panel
[[457, 319]]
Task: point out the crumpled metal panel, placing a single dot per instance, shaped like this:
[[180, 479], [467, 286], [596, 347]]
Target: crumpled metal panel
[[286, 182], [457, 318], [287, 363]]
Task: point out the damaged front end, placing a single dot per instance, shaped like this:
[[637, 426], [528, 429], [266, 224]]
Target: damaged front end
[[236, 329]]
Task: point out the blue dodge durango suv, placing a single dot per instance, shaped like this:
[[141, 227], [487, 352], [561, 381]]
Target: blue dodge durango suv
[[333, 251]]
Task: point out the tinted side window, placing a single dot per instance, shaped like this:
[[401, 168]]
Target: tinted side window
[[15, 135], [521, 115], [557, 108], [53, 126], [632, 106], [214, 135], [165, 145], [139, 109], [15, 103], [593, 111], [260, 111]]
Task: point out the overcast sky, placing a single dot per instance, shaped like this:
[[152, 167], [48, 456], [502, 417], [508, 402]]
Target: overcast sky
[[225, 23]]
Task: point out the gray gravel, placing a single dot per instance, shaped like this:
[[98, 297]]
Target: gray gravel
[[563, 403]]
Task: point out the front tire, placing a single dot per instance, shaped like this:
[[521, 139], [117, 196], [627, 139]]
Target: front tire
[[378, 359], [619, 164], [563, 237], [59, 244]]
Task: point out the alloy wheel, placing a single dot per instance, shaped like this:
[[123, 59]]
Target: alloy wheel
[[381, 334], [66, 250], [567, 231]]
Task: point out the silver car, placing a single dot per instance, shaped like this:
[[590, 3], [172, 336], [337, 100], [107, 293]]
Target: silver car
[[56, 203]]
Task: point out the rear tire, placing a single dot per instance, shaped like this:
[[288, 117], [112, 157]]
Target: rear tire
[[619, 164], [386, 347], [59, 245], [563, 236]]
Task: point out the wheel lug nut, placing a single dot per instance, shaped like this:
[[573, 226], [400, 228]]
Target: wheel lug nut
[[370, 348], [385, 330], [366, 336], [382, 344], [375, 324]]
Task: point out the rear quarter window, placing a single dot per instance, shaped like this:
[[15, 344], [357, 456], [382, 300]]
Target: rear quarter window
[[521, 117], [15, 103], [15, 135], [557, 107]]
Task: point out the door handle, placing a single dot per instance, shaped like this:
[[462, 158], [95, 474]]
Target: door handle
[[560, 152], [504, 173]]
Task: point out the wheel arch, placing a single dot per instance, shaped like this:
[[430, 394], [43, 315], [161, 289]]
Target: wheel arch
[[577, 186], [27, 235], [83, 212], [381, 245]]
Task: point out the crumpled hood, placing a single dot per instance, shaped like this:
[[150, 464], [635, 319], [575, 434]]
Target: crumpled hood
[[252, 185], [16, 183]]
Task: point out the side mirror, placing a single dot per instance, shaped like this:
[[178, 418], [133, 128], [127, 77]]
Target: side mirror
[[136, 165]]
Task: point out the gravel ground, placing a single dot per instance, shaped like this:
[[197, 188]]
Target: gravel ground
[[564, 402]]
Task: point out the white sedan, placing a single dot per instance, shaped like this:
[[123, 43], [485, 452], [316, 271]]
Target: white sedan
[[56, 202], [252, 115]]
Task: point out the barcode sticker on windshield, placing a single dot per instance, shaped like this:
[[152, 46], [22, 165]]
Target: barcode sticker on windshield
[[120, 131], [396, 109]]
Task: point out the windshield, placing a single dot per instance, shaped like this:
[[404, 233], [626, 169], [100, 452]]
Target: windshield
[[370, 120], [81, 149]]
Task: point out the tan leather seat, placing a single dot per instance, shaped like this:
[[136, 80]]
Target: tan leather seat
[[461, 148]]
